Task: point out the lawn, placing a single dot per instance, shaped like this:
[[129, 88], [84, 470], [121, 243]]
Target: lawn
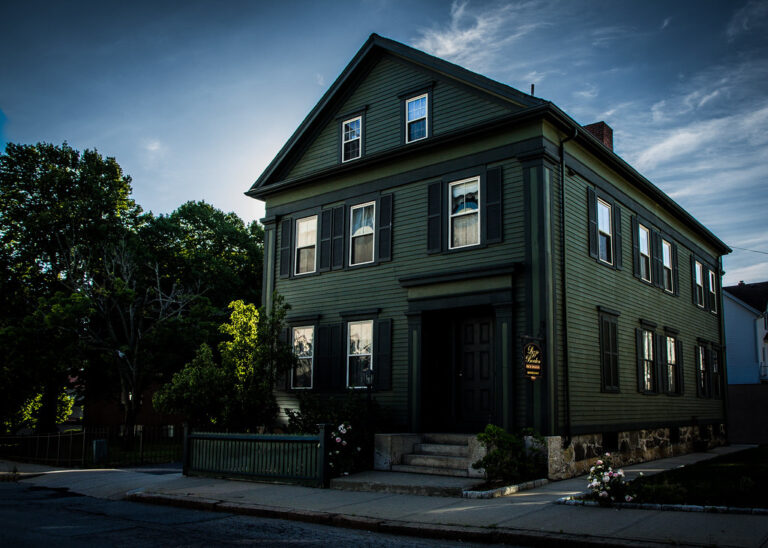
[[739, 480]]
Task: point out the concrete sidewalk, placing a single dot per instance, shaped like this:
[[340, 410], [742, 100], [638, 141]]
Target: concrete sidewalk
[[528, 518]]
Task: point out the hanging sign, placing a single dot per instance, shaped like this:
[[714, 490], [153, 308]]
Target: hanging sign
[[532, 360]]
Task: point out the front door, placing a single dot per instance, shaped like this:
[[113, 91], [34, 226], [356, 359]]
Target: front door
[[475, 371]]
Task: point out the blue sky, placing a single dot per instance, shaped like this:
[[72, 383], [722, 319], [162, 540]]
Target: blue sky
[[195, 98]]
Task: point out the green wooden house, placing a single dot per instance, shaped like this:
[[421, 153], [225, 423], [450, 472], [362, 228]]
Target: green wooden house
[[479, 257]]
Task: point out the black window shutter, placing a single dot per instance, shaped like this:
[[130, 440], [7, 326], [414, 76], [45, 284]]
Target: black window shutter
[[639, 340], [285, 247], [285, 337], [323, 358], [382, 357], [660, 356], [675, 271], [592, 218], [324, 261], [337, 238], [434, 218], [699, 372], [617, 236], [385, 228], [338, 357], [693, 280], [657, 259], [636, 247], [680, 365], [707, 299], [494, 222]]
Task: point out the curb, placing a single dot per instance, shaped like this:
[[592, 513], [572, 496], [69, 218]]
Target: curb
[[568, 501], [504, 491], [488, 535]]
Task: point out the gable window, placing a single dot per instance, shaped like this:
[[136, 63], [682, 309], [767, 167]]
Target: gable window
[[464, 213], [352, 137], [306, 242], [666, 261], [646, 361], [699, 277], [359, 352], [644, 245], [609, 352], [416, 118], [712, 292], [304, 349], [605, 233], [673, 366], [361, 230]]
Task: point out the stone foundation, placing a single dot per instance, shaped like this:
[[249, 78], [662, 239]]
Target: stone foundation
[[628, 447]]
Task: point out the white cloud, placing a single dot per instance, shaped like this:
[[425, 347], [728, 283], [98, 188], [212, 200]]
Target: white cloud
[[320, 79], [752, 15], [666, 23], [589, 92]]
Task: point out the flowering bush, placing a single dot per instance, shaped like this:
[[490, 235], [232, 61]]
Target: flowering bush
[[342, 451], [608, 486]]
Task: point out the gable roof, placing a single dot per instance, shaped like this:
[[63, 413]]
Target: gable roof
[[532, 106], [755, 295]]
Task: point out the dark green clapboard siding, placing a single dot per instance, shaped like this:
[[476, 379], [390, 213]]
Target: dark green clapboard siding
[[330, 293], [453, 107], [591, 284]]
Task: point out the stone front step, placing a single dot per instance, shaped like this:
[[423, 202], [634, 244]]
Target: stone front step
[[436, 461], [455, 472], [441, 449], [447, 439], [405, 483]]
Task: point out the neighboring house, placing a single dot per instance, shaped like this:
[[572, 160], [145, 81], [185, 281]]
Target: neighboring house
[[417, 224], [746, 334]]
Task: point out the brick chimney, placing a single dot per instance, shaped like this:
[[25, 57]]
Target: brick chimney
[[603, 132]]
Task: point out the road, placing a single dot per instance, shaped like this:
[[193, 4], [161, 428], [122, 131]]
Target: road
[[33, 516]]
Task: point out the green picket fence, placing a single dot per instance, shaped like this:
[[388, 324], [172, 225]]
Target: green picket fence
[[283, 458]]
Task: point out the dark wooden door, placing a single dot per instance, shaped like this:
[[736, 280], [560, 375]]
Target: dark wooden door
[[475, 365]]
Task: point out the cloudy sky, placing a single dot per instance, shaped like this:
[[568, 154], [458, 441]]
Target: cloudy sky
[[195, 98]]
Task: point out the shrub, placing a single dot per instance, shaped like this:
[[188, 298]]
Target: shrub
[[606, 485], [508, 457]]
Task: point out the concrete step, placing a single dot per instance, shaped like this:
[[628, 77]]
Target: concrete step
[[432, 471], [449, 439], [436, 461], [405, 483], [441, 449]]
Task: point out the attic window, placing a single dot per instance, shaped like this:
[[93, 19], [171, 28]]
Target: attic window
[[352, 136], [416, 118]]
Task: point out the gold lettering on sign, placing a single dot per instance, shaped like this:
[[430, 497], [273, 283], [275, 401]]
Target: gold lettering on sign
[[532, 361]]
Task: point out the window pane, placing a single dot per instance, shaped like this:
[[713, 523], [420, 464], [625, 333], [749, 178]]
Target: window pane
[[604, 217], [306, 260], [351, 150], [417, 108], [644, 241], [362, 249], [605, 247], [362, 220], [699, 274], [464, 197], [647, 345], [464, 230], [667, 253], [417, 130], [356, 366], [360, 337], [306, 229], [302, 374], [303, 341], [352, 130], [645, 267]]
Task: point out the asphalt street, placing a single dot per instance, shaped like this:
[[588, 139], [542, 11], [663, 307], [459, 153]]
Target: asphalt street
[[32, 516]]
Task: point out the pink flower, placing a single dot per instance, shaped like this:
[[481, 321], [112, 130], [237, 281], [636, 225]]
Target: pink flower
[[599, 463], [338, 440], [628, 498], [607, 454]]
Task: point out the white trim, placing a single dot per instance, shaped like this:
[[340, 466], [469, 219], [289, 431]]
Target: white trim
[[349, 324], [373, 247], [311, 357], [600, 231], [425, 96], [699, 274], [643, 228], [345, 141], [713, 290], [664, 268], [296, 248], [451, 216]]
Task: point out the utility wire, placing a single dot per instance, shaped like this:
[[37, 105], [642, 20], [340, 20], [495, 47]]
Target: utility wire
[[752, 250]]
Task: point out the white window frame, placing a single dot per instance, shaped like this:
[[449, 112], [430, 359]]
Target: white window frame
[[349, 355], [649, 361], [452, 216], [699, 279], [351, 236], [311, 358], [640, 230], [671, 344], [297, 248], [667, 267], [408, 122], [344, 139], [713, 291], [601, 231]]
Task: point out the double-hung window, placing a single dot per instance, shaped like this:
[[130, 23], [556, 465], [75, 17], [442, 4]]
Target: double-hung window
[[604, 231], [702, 373], [304, 349], [359, 352], [416, 118], [666, 261], [306, 243], [712, 292], [647, 361], [699, 274], [716, 374], [352, 139], [361, 233], [464, 214], [673, 365], [644, 246]]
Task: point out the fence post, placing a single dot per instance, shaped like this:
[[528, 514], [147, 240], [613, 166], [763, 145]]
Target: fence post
[[325, 468], [82, 457], [185, 456], [141, 445]]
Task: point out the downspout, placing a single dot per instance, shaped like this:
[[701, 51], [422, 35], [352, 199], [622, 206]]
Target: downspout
[[563, 270], [723, 343]]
